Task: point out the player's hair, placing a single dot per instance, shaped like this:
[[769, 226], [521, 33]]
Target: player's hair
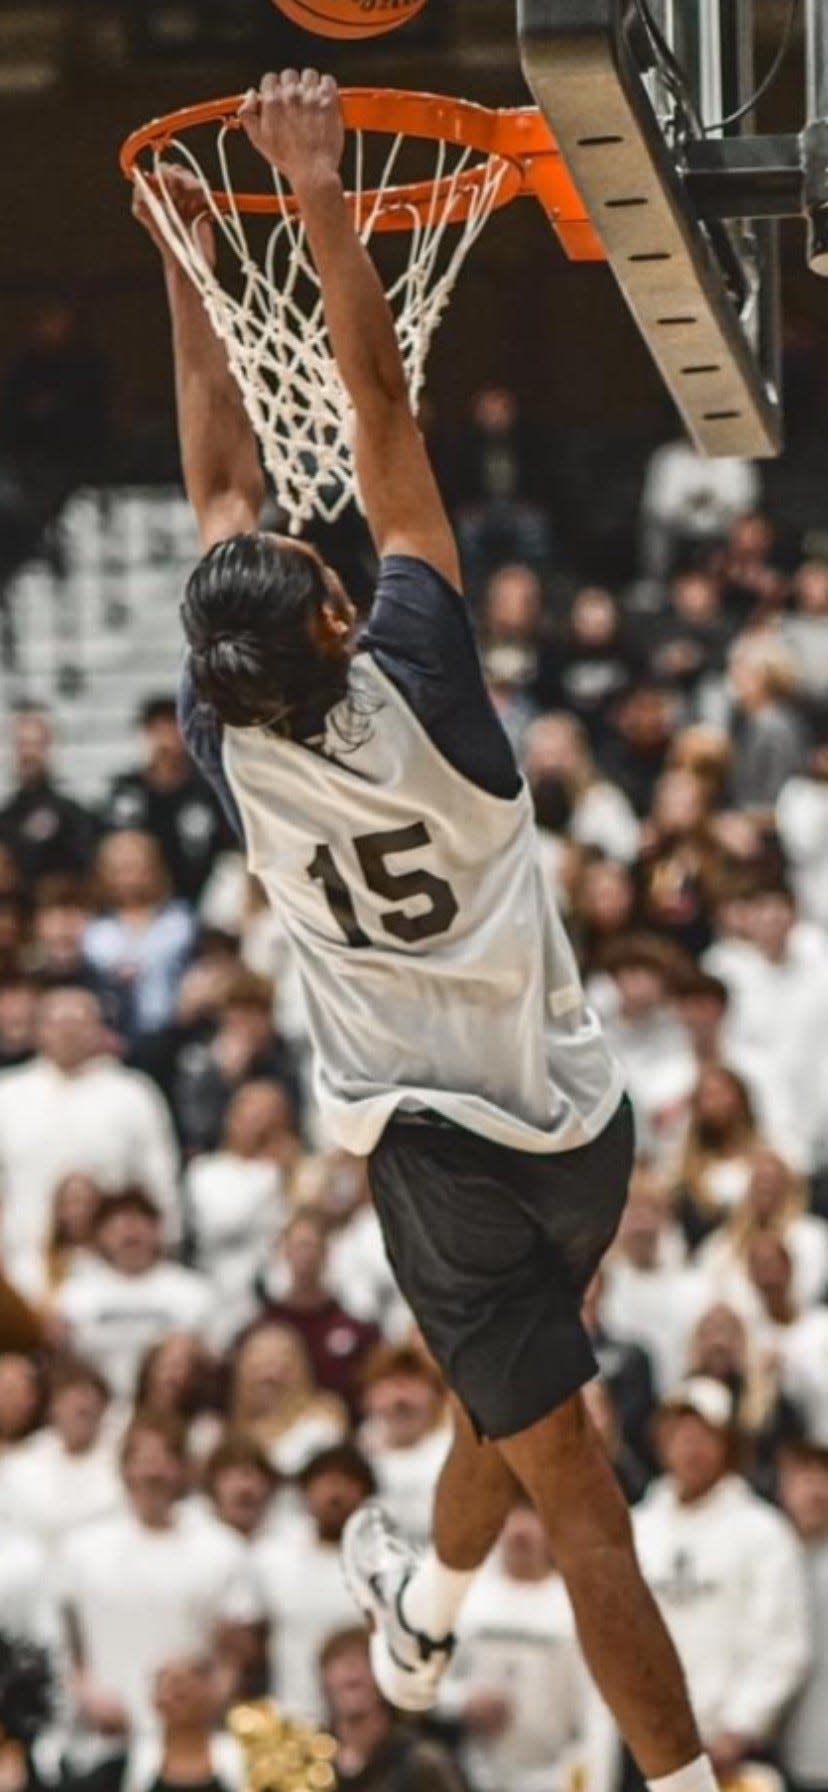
[[247, 614]]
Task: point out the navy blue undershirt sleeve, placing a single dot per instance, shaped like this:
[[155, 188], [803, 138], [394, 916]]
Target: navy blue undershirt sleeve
[[203, 733], [420, 634]]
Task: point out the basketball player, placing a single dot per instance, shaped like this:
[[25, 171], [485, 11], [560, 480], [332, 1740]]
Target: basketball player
[[381, 807]]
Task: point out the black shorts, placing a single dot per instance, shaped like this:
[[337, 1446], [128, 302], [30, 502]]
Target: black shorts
[[493, 1250]]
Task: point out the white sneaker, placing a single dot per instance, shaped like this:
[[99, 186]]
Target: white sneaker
[[378, 1565]]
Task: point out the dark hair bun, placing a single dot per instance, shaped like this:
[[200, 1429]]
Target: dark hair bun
[[247, 615]]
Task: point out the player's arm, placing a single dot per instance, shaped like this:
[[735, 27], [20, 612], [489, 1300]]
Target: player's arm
[[296, 124], [220, 460]]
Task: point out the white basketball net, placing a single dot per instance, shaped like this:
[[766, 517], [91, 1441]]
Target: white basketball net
[[272, 321]]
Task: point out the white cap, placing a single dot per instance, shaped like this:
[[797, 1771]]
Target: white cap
[[709, 1399]]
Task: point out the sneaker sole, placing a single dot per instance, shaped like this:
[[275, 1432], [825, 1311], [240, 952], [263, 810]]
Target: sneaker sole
[[392, 1680]]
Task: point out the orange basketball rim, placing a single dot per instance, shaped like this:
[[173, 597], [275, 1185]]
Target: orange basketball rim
[[518, 137]]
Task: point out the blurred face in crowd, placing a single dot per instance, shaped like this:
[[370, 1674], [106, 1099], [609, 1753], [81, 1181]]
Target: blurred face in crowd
[[770, 1188], [76, 1413], [679, 804], [751, 538], [271, 1365], [696, 597], [719, 1106], [130, 1240], [804, 1489], [524, 1546], [76, 1203], [305, 1251], [495, 410], [258, 1120], [187, 1696], [19, 1396], [607, 898], [250, 1024], [695, 1454], [176, 1362], [644, 720], [59, 929], [514, 601], [18, 1017], [811, 588], [594, 617], [153, 1476], [166, 754], [641, 1229], [770, 922], [719, 1345], [70, 1031], [641, 989], [130, 869], [241, 1496], [351, 1692], [407, 1407], [555, 746], [702, 1012], [32, 738], [332, 1497]]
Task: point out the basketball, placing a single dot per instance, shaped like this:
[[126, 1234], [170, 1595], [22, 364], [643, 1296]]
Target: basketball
[[350, 18]]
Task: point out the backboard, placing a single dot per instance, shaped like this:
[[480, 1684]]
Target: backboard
[[635, 92]]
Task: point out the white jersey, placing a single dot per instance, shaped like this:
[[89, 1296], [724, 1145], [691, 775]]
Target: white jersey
[[436, 971]]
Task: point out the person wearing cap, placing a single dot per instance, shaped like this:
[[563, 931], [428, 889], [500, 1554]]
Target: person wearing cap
[[804, 1490], [727, 1572], [127, 1297]]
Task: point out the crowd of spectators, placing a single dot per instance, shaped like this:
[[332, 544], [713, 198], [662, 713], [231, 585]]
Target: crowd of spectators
[[205, 1365]]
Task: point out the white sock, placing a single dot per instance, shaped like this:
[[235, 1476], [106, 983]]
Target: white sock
[[698, 1777], [433, 1598]]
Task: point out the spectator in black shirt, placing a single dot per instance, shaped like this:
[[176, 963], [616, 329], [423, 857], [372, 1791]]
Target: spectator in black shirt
[[44, 831], [691, 640], [244, 1048], [168, 798], [62, 913], [635, 756], [376, 1752], [595, 665]]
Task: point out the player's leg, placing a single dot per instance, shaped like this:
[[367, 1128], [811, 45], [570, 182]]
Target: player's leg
[[564, 1468], [413, 1601]]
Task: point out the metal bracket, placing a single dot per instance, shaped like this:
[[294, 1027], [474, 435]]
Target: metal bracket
[[580, 63]]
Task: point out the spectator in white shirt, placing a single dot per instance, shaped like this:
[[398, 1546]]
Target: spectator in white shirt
[[804, 1487], [66, 1475], [74, 1108], [802, 822], [727, 1572], [179, 1379], [517, 1685], [776, 1022], [128, 1297], [647, 1035], [301, 1583], [360, 1274], [650, 1297], [797, 1342], [242, 1488], [557, 746], [140, 1589], [236, 1207], [406, 1435], [775, 1200], [688, 499], [275, 1401], [714, 1173]]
